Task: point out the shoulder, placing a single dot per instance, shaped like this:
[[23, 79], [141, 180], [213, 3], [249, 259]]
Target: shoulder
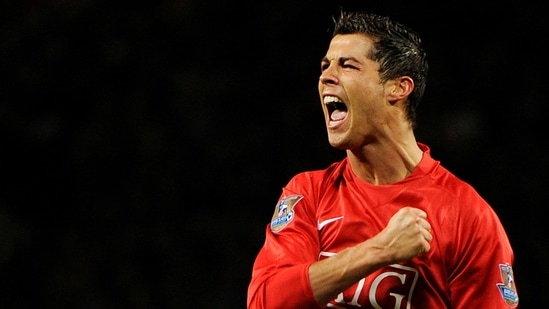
[[445, 181], [318, 179], [455, 200], [462, 212], [300, 196]]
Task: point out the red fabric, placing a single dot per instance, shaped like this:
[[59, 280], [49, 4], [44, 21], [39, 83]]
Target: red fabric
[[465, 267]]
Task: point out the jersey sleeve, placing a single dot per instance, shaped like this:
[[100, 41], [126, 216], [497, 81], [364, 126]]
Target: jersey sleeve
[[481, 275], [280, 272]]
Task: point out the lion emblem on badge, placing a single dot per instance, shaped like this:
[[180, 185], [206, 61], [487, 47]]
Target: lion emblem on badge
[[284, 212], [507, 288]]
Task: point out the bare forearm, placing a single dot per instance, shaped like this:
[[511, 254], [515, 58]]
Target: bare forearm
[[331, 276], [406, 236]]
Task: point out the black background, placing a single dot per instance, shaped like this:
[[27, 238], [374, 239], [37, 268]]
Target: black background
[[144, 146]]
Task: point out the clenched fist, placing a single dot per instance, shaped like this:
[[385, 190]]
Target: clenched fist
[[407, 235]]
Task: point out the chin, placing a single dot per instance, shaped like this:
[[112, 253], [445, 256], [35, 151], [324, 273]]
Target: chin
[[338, 143]]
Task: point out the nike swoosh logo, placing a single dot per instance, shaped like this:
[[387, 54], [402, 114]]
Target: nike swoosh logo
[[323, 223]]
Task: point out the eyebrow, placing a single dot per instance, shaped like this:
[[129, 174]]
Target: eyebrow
[[340, 60]]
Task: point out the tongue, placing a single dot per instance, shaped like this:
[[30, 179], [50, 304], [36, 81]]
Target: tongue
[[338, 115]]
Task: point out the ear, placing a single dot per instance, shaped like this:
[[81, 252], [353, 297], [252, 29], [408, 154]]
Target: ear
[[400, 88]]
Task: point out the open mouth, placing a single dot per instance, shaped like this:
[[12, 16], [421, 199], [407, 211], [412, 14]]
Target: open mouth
[[336, 108]]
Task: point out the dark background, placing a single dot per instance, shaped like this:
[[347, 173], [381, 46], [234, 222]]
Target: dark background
[[144, 146]]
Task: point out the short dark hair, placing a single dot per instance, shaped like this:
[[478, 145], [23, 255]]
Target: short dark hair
[[397, 49]]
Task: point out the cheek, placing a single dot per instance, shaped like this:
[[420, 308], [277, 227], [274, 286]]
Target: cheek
[[366, 98], [368, 108], [366, 88]]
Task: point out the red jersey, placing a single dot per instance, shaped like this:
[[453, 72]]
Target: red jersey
[[322, 212]]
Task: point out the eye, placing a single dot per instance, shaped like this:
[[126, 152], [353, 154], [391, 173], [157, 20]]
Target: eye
[[348, 65], [324, 66]]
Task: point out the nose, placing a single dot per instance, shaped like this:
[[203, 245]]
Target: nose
[[327, 77]]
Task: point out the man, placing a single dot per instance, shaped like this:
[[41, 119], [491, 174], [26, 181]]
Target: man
[[387, 226]]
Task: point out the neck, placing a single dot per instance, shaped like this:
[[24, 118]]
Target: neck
[[384, 162]]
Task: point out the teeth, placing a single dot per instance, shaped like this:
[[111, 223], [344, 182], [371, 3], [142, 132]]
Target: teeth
[[331, 99]]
